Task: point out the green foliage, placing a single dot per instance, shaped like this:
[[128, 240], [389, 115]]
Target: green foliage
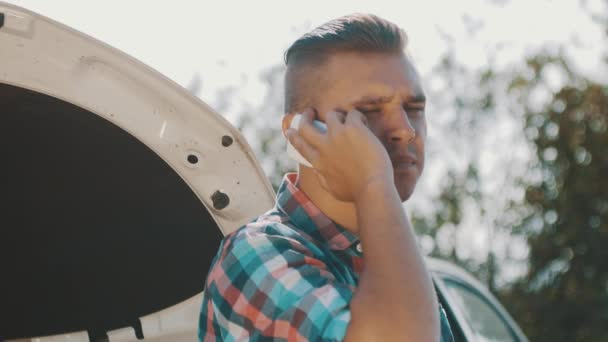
[[564, 296]]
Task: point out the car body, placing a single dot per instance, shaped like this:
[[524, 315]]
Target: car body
[[474, 313], [119, 185]]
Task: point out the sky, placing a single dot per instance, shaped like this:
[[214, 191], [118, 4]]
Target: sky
[[229, 42]]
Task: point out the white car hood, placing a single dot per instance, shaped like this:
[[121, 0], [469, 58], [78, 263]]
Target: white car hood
[[119, 187]]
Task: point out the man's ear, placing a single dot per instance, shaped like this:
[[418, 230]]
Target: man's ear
[[286, 122]]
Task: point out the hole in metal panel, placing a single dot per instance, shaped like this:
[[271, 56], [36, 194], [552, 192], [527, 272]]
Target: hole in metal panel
[[227, 140], [220, 200], [192, 159]]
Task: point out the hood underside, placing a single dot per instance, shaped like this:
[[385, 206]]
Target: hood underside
[[98, 230]]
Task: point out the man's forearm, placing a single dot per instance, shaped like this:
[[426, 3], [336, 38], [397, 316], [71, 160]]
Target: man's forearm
[[395, 297]]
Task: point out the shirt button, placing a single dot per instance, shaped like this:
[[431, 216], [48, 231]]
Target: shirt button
[[359, 248]]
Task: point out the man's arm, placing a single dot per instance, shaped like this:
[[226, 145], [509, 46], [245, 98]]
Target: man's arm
[[395, 298]]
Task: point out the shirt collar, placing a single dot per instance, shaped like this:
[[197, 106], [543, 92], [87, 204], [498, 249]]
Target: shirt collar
[[308, 218]]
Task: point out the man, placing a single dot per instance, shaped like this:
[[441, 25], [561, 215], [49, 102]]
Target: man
[[336, 259]]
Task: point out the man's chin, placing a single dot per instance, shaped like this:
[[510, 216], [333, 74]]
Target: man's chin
[[405, 194], [405, 186]]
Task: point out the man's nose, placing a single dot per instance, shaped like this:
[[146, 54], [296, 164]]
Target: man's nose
[[400, 128]]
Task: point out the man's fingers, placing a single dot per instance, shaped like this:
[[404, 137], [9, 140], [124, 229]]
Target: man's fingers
[[309, 113], [335, 119], [301, 145], [307, 131], [356, 117], [307, 116]]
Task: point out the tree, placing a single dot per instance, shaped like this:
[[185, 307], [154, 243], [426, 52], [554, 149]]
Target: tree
[[564, 296]]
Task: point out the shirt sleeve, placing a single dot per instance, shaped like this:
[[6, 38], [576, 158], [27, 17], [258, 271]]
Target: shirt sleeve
[[270, 286]]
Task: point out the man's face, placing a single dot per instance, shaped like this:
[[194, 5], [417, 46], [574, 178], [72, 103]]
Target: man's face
[[387, 90]]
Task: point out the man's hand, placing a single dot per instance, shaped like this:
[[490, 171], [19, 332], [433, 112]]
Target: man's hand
[[348, 158]]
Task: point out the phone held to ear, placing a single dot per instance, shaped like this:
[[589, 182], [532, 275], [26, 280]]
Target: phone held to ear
[[291, 151]]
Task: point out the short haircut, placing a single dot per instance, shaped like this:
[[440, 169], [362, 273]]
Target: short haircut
[[364, 33]]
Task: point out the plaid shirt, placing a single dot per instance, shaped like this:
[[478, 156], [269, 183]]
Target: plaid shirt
[[288, 275]]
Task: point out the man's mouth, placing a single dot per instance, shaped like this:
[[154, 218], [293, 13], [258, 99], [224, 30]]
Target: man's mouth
[[403, 161]]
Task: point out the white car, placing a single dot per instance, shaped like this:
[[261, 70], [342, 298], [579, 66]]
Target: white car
[[118, 186]]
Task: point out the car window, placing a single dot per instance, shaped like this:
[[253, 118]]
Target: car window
[[484, 320]]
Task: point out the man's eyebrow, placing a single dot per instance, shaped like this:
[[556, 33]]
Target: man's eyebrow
[[372, 100], [376, 100]]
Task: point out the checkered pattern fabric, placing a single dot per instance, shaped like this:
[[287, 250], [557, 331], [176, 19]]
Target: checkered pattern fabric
[[288, 275]]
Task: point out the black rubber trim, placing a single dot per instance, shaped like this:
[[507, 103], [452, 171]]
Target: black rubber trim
[[1, 20]]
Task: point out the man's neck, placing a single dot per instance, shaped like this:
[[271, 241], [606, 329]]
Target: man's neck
[[343, 213]]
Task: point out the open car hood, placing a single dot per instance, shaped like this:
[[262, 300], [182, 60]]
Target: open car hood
[[117, 188]]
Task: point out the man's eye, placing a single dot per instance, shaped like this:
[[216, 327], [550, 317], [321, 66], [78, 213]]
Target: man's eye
[[414, 110]]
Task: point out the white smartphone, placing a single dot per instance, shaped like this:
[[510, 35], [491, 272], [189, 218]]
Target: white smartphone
[[291, 151]]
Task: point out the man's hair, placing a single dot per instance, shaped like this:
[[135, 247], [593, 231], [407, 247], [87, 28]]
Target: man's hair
[[363, 33]]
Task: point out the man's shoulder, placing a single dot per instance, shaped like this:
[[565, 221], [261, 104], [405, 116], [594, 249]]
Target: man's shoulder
[[272, 231], [267, 242]]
